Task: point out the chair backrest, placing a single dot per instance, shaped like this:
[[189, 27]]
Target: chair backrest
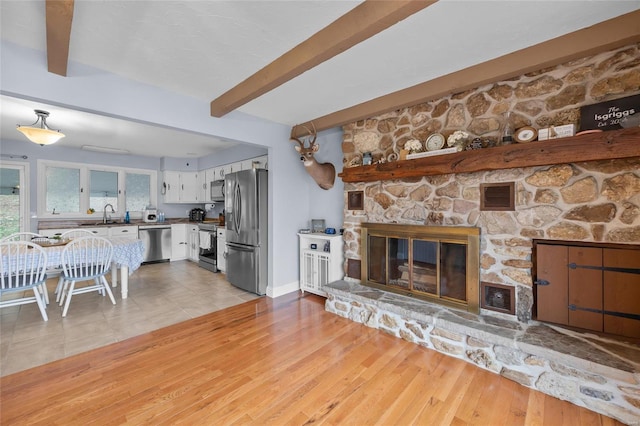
[[22, 264], [76, 233], [22, 236], [87, 257]]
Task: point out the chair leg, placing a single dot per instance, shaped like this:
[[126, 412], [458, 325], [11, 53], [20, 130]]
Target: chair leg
[[59, 288], [99, 285], [41, 305], [45, 292], [68, 297], [107, 289], [64, 292]]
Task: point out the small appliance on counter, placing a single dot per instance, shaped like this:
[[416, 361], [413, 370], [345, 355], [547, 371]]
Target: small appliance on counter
[[197, 215], [150, 214]]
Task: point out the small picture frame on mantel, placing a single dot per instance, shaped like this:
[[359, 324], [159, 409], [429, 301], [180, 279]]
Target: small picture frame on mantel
[[355, 200]]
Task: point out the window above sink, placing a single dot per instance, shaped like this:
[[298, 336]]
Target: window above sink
[[74, 190]]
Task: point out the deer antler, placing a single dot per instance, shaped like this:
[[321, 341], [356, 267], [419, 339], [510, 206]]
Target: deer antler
[[313, 133]]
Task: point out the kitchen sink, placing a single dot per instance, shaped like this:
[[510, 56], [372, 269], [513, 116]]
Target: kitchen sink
[[100, 223]]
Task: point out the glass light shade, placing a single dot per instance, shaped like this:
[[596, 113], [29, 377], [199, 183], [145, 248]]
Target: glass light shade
[[41, 136]]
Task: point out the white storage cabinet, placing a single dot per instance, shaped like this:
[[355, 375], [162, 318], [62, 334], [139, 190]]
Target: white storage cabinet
[[194, 242], [221, 249], [321, 261], [129, 231], [182, 187], [102, 231], [179, 243]]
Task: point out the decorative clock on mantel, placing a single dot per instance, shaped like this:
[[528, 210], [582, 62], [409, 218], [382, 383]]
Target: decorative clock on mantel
[[435, 142]]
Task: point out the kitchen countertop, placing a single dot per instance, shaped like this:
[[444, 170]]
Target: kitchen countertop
[[81, 223]]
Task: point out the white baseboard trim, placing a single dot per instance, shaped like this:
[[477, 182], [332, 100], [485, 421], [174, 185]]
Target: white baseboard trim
[[281, 290]]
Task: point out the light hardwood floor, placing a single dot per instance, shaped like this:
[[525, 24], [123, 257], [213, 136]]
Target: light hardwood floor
[[160, 294], [274, 361]]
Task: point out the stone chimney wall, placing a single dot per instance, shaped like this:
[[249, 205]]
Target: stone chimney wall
[[595, 201]]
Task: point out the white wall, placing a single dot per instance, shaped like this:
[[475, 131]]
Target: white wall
[[293, 196]]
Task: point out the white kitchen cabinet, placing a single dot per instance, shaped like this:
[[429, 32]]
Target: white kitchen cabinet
[[224, 170], [246, 164], [206, 177], [102, 231], [171, 187], [190, 188], [194, 242], [254, 163], [179, 241], [127, 231], [221, 249], [262, 162], [321, 261], [181, 187]]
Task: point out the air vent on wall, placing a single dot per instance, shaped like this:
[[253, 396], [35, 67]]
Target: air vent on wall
[[497, 196], [353, 268], [497, 297]]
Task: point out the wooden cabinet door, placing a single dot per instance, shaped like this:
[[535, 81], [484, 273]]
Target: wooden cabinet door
[[552, 298], [585, 288], [622, 291]]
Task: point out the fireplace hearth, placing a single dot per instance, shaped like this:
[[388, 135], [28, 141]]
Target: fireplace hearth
[[591, 371]]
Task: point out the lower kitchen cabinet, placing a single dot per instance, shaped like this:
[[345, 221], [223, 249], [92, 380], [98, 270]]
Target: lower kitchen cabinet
[[130, 231], [321, 260], [221, 243], [97, 231], [194, 242], [179, 241]]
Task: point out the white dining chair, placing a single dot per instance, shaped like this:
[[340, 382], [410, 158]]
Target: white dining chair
[[69, 235], [85, 259], [22, 267], [34, 238]]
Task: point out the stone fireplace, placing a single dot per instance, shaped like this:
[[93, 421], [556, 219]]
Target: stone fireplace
[[590, 202]]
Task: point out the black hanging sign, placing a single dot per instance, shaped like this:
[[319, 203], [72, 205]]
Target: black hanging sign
[[611, 115]]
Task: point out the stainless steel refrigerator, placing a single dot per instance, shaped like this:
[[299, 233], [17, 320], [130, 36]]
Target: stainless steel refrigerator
[[246, 224]]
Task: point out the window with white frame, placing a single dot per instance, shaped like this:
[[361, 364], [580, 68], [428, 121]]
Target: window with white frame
[[73, 190]]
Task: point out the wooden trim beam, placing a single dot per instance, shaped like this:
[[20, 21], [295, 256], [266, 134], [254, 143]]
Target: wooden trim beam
[[59, 16], [364, 21], [607, 35]]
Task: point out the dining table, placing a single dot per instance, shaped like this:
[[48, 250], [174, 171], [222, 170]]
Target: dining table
[[128, 254]]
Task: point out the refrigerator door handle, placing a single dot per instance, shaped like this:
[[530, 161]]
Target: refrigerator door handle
[[238, 208], [240, 247]]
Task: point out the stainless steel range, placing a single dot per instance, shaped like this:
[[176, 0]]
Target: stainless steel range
[[207, 253]]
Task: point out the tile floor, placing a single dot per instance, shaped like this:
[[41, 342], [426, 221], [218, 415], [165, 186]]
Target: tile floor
[[160, 294]]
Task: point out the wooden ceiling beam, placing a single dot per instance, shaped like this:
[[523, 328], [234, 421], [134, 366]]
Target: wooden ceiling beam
[[607, 35], [364, 21], [59, 15]]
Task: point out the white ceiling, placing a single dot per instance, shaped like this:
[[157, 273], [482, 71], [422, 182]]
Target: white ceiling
[[204, 48]]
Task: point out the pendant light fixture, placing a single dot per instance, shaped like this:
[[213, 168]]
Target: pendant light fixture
[[41, 135]]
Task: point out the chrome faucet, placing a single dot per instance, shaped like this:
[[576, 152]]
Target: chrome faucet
[[104, 213]]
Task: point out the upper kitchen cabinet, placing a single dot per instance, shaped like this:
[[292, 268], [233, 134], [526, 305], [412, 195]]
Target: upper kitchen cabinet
[[206, 177], [181, 187], [262, 162]]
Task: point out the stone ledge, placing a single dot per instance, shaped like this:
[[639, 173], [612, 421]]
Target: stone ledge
[[600, 374]]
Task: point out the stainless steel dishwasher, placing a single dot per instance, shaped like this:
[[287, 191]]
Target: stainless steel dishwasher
[[157, 242]]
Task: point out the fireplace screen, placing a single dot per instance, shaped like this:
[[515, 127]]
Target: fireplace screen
[[424, 264]]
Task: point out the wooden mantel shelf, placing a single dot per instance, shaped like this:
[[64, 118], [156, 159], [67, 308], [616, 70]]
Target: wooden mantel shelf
[[609, 145]]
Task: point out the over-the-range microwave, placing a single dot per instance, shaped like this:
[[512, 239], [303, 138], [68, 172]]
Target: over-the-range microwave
[[217, 190]]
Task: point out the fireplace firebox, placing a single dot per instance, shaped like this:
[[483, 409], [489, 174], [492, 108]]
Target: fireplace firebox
[[435, 263]]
